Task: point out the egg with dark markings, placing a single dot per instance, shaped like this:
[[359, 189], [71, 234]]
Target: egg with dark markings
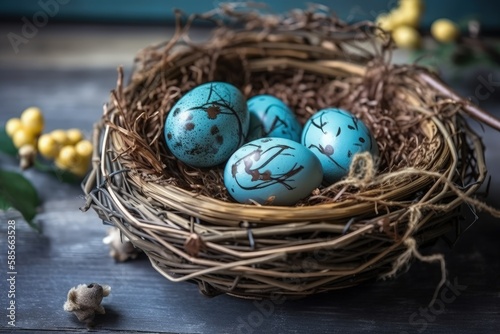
[[272, 171], [276, 119], [207, 124], [335, 136]]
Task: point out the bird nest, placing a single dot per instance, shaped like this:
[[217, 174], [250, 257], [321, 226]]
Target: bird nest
[[367, 226]]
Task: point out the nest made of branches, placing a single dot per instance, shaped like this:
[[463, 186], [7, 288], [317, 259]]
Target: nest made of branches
[[367, 226]]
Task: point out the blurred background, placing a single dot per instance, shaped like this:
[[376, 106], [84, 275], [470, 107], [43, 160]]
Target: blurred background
[[161, 11], [107, 32]]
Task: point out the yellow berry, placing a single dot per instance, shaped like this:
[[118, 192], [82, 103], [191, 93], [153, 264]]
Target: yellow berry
[[60, 137], [74, 136], [408, 13], [47, 146], [12, 126], [406, 37], [406, 17], [385, 22], [445, 31], [23, 137], [80, 169], [32, 120], [84, 148], [412, 4], [67, 157]]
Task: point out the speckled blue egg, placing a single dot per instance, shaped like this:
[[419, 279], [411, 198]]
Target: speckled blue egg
[[207, 124], [276, 118], [335, 136], [274, 171]]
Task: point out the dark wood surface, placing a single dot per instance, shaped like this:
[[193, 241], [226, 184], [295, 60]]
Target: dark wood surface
[[70, 251]]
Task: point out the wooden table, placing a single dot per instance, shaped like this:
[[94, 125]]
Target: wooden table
[[70, 251]]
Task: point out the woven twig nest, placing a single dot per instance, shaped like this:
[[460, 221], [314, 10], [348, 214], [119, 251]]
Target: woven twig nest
[[366, 226]]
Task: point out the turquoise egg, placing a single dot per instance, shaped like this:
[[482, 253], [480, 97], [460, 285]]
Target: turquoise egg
[[335, 136], [276, 119], [274, 171], [207, 124], [255, 129]]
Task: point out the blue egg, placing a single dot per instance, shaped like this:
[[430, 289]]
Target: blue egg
[[335, 136], [274, 171], [276, 118], [207, 124], [255, 129]]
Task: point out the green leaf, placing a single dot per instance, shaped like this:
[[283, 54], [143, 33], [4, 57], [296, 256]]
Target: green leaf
[[4, 205], [18, 192], [6, 144], [61, 175]]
